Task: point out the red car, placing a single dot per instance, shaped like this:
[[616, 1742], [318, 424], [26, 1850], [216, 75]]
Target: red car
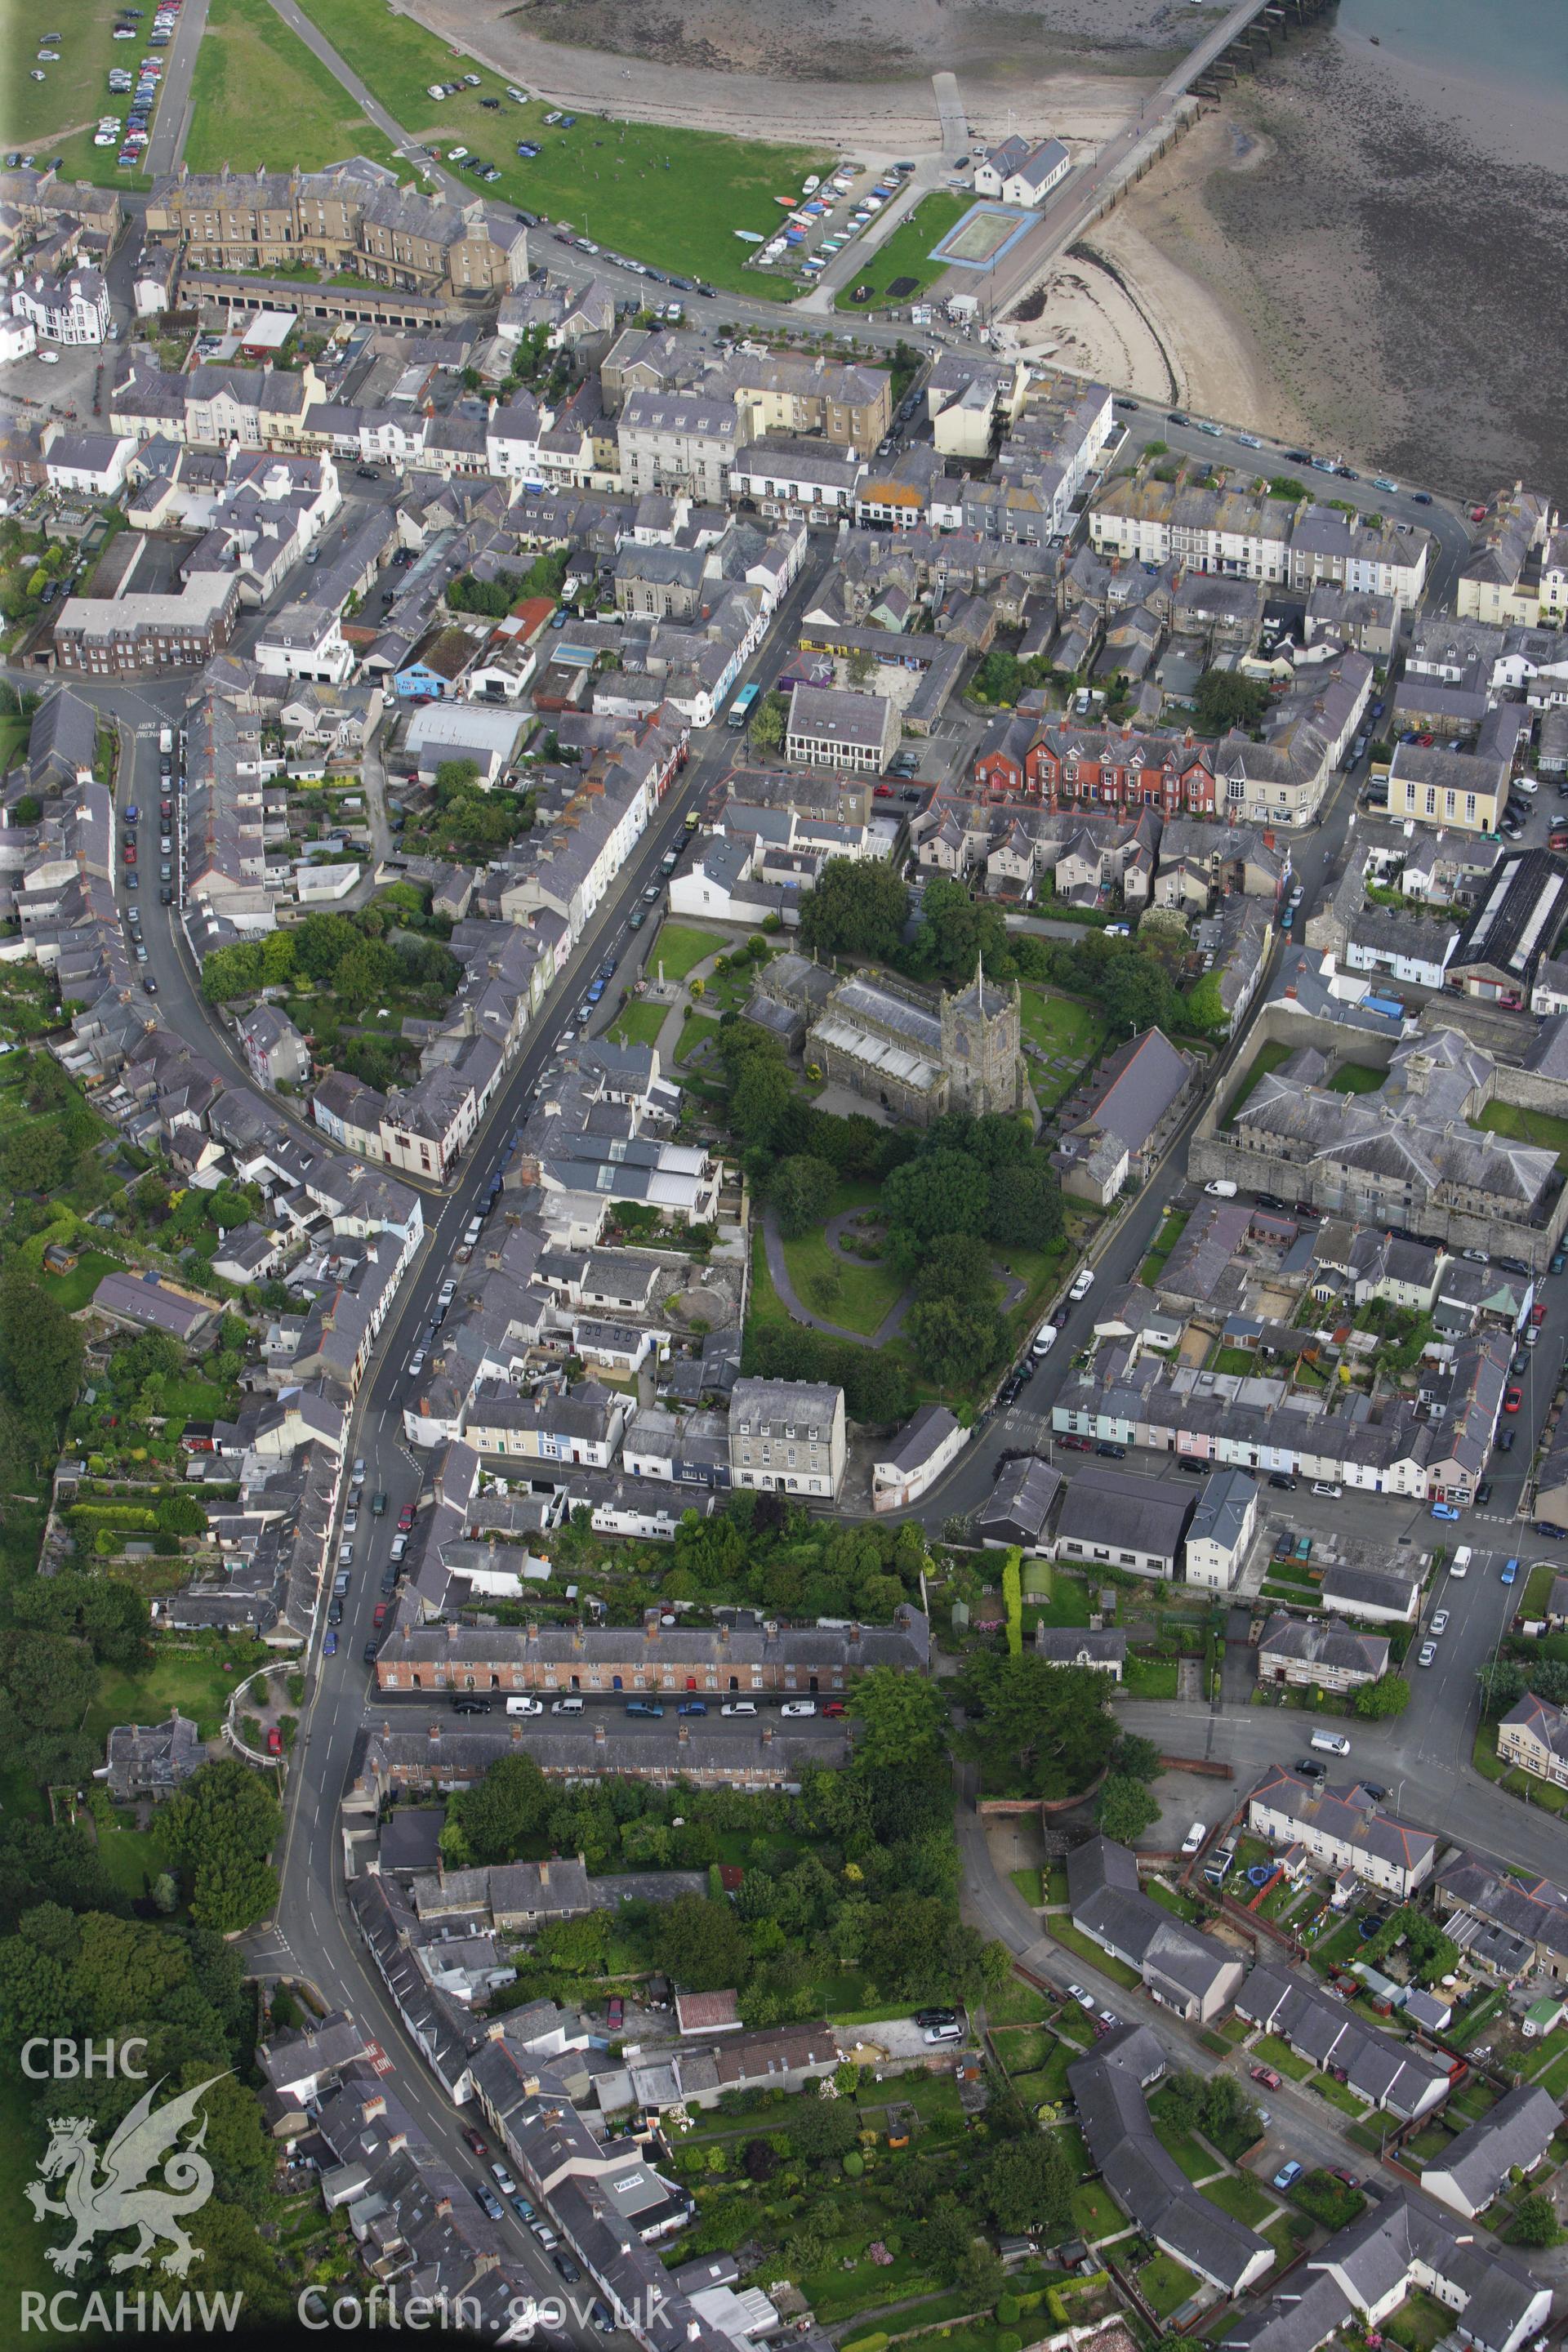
[[616, 2014], [1478, 514], [834, 1706], [131, 857], [405, 1518], [477, 2142], [883, 793], [1265, 2075], [166, 808], [275, 1742], [1538, 1312], [1513, 1400], [379, 1618]]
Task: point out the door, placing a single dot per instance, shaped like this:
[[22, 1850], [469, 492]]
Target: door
[[615, 1682]]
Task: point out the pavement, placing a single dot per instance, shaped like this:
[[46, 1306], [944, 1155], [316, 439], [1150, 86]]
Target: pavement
[[172, 122]]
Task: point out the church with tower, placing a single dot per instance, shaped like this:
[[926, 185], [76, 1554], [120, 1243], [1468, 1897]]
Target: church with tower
[[909, 1053]]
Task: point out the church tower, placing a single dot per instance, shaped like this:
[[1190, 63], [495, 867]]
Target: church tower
[[981, 1049]]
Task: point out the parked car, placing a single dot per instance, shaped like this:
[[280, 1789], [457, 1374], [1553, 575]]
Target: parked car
[[644, 1706], [1444, 1511], [1266, 2076], [798, 1707], [1427, 1654], [738, 1706], [1288, 2175], [477, 2142], [692, 1707], [1512, 1400], [487, 2199]]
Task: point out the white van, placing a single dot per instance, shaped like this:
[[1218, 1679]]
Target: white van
[[1194, 1838], [1044, 1339], [1460, 1563], [565, 1706], [1221, 1188], [1331, 1743], [525, 1707]]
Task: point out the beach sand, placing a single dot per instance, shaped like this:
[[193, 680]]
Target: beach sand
[[852, 74]]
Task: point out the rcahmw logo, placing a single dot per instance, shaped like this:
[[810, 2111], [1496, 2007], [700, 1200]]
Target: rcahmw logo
[[102, 2194]]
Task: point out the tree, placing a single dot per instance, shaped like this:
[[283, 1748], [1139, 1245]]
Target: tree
[[46, 1683], [224, 1809], [1027, 2184], [508, 1807], [902, 1720], [769, 719], [36, 1159], [231, 1892], [454, 776], [941, 1192], [27, 810], [701, 1945], [1044, 1727], [759, 1098], [1124, 1808], [1535, 2221], [1135, 994], [859, 907], [1286, 486], [1390, 1696], [1225, 699], [1025, 1210], [1137, 1758], [861, 666], [953, 1342], [231, 971], [800, 1190], [41, 1351]]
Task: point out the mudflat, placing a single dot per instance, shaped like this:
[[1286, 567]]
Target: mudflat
[[1386, 248]]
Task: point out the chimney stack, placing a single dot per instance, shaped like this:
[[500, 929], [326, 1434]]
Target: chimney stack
[[544, 1873], [599, 1735], [682, 1734]]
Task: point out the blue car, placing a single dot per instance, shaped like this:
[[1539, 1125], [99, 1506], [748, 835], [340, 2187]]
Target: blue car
[[1444, 1511], [1511, 1572], [329, 1647], [644, 1706], [691, 1707], [596, 992], [1288, 2175]]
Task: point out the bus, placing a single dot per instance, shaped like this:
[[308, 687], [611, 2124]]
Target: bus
[[741, 708]]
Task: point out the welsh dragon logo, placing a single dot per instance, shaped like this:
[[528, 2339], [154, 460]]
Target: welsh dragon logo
[[97, 2204]]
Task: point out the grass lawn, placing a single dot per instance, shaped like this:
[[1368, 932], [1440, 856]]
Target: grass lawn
[[74, 1289], [61, 111], [1030, 1885], [132, 1857], [1538, 1588], [1149, 1677], [1181, 1905], [1016, 2003], [1241, 2199], [694, 1030], [1165, 1241], [639, 1023], [1063, 1932], [1177, 2141], [192, 1680], [679, 947], [1023, 2048], [1268, 1058], [907, 252], [261, 100], [859, 1296], [1528, 1127], [1554, 2080], [1164, 2284], [1281, 2237], [1338, 2095], [197, 1399], [1271, 2052], [672, 198], [1419, 2322], [1356, 1078], [1239, 1360]]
